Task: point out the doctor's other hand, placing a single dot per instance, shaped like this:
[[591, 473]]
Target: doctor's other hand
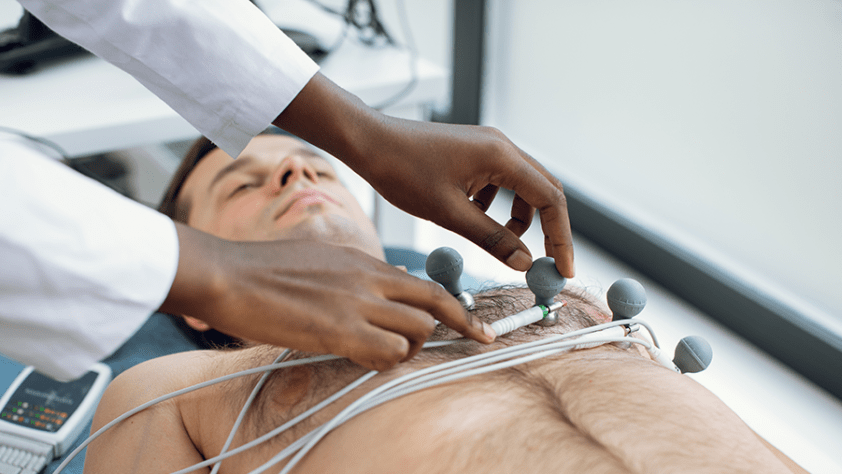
[[448, 174], [312, 296]]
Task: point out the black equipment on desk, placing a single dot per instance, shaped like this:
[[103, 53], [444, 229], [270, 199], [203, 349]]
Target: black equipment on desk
[[41, 418], [31, 44]]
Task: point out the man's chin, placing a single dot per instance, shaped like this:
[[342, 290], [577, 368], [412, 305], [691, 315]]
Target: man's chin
[[335, 230]]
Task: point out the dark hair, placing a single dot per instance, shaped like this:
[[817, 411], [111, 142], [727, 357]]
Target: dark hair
[[492, 304], [170, 205]]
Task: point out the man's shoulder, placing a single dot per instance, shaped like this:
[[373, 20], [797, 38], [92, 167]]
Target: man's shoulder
[[158, 435], [152, 379]]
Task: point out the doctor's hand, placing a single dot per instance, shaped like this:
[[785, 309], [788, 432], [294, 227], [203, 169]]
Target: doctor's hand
[[448, 174], [312, 296]]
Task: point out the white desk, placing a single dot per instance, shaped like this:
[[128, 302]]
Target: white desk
[[88, 106]]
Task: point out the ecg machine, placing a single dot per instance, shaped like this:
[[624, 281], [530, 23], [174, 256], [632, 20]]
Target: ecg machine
[[40, 417]]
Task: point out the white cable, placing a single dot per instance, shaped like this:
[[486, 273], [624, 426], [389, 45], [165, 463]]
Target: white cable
[[427, 377], [168, 396], [662, 359], [587, 337], [281, 428], [383, 388], [520, 350], [536, 354], [448, 367], [576, 333], [595, 339], [479, 366], [500, 362], [525, 317], [313, 360], [362, 399], [245, 408], [610, 333], [364, 403], [649, 330]]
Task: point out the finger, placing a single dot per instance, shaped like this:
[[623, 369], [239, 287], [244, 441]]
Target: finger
[[559, 244], [548, 246], [539, 188], [522, 214], [441, 305], [350, 332], [476, 226], [413, 324], [374, 348], [485, 197]]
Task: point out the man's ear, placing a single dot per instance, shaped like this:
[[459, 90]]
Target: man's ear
[[196, 324]]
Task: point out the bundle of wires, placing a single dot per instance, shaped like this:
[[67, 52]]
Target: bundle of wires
[[365, 18], [362, 15], [419, 380]]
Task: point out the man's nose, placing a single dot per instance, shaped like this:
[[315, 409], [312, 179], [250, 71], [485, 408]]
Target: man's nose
[[293, 169]]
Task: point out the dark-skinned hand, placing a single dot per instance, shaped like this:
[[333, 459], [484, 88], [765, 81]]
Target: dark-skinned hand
[[312, 296], [448, 174]]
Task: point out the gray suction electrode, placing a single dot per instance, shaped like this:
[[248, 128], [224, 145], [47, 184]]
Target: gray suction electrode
[[444, 265], [544, 280], [692, 354], [626, 299]]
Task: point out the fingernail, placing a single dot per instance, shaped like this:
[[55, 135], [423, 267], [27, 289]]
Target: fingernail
[[486, 328], [571, 271], [519, 260]]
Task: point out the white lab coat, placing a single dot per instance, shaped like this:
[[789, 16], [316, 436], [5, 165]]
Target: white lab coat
[[81, 267]]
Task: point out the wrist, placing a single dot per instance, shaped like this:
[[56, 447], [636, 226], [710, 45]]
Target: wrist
[[334, 120], [200, 278]]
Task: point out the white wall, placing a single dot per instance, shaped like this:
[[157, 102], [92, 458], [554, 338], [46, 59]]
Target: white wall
[[717, 122], [430, 23]]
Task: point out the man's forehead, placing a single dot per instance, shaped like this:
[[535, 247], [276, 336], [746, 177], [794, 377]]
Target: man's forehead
[[272, 145]]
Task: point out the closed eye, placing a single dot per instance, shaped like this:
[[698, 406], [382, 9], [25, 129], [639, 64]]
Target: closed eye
[[240, 188]]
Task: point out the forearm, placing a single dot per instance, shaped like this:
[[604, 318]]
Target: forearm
[[221, 64], [199, 279], [448, 174], [365, 139], [333, 119]]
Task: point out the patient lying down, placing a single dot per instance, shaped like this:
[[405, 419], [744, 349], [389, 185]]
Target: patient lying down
[[604, 409]]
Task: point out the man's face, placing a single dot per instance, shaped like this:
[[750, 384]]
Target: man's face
[[278, 189]]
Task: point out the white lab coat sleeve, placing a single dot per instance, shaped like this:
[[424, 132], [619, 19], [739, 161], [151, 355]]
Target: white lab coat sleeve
[[81, 267], [221, 64]]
